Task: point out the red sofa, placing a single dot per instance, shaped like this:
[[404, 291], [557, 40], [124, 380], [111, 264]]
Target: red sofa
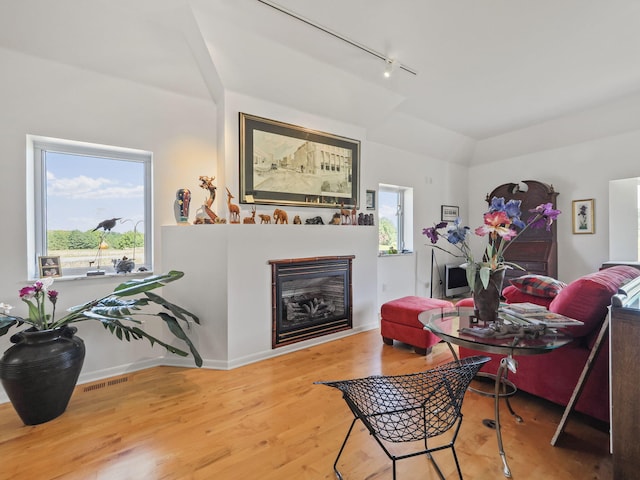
[[554, 375]]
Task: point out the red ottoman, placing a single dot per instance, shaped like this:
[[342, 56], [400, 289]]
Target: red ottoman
[[400, 322]]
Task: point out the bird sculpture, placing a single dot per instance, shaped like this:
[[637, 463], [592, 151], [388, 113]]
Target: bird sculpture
[[107, 225]]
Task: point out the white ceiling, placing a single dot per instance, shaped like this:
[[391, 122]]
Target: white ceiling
[[485, 67]]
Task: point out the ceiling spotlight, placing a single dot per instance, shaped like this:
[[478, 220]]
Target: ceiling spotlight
[[391, 66]]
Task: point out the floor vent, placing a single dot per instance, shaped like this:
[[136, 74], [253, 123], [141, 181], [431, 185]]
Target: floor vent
[[108, 383]]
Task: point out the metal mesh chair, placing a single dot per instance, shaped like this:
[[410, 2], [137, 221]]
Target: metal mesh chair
[[409, 408]]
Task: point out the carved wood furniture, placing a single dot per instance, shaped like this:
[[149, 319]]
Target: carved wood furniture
[[625, 389], [536, 250]]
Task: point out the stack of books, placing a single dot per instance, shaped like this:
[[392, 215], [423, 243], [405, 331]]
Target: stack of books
[[536, 314]]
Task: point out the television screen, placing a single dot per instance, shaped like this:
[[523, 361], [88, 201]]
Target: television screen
[[455, 281]]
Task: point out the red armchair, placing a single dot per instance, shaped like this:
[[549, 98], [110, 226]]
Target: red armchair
[[554, 375]]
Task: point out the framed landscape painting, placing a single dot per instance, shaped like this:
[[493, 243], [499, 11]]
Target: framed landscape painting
[[285, 164]]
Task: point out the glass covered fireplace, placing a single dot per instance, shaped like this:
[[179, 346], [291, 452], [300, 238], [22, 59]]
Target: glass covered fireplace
[[310, 297]]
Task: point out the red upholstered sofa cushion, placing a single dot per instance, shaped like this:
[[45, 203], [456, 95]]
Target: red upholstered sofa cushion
[[588, 297], [515, 295], [405, 310]]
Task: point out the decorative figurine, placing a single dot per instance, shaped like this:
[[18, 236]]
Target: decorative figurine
[[280, 216], [183, 199], [264, 218], [234, 210], [125, 265], [336, 220], [205, 214], [314, 221], [252, 218], [345, 215], [296, 220]]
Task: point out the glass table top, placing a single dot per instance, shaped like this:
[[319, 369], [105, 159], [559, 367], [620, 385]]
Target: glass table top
[[450, 323]]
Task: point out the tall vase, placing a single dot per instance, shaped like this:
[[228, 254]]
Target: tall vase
[[40, 372], [487, 300]]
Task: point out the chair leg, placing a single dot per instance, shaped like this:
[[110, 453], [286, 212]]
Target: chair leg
[[455, 457], [335, 464]]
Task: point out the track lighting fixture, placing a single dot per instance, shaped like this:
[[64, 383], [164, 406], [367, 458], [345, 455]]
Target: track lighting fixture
[[391, 65]]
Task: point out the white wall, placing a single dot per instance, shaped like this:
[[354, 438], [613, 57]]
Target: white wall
[[188, 138], [435, 182], [623, 219], [50, 99], [577, 171]]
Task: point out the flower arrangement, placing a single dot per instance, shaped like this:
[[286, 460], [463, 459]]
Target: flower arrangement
[[115, 311], [502, 224]]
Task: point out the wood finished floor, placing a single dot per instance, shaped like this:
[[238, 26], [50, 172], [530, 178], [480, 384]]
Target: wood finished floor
[[269, 421]]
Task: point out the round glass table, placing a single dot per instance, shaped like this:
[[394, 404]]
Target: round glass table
[[459, 326]]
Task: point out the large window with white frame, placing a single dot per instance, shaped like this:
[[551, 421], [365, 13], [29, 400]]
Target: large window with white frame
[[395, 219], [92, 209]]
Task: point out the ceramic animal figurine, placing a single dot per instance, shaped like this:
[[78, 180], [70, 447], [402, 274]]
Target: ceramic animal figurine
[[280, 216], [296, 220], [264, 218]]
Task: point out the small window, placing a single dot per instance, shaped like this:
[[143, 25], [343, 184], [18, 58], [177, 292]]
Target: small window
[[395, 219], [92, 208]]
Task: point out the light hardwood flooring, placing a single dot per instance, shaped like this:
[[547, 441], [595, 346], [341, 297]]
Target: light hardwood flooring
[[269, 421]]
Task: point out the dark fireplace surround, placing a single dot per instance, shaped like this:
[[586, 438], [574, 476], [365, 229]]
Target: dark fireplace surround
[[311, 297]]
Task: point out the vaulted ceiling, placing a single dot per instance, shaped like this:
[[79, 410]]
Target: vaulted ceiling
[[484, 67]]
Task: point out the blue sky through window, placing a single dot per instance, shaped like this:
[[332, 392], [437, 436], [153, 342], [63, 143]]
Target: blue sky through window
[[84, 190]]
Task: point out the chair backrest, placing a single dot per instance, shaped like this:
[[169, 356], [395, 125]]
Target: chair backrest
[[403, 408]]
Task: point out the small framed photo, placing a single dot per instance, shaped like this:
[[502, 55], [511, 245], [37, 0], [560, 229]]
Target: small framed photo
[[49, 266], [371, 200], [583, 216], [449, 213]]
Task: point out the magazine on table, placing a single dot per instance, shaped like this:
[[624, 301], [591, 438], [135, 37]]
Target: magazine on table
[[525, 307], [543, 317]]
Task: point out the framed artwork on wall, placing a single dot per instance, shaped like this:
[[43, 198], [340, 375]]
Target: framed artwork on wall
[[371, 199], [285, 164], [583, 216], [49, 266], [449, 213]]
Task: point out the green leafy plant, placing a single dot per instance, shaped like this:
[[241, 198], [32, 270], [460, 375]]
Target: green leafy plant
[[118, 311]]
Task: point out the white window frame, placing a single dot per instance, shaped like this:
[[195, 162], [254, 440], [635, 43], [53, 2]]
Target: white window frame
[[36, 197], [404, 213]]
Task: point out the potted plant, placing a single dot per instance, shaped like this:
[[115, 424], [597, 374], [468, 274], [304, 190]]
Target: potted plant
[[40, 370], [501, 224]]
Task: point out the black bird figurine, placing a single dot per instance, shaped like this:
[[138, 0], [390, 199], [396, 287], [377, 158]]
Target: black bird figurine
[[107, 225]]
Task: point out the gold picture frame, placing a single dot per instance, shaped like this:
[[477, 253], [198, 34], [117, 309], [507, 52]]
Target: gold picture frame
[[49, 266], [284, 164], [583, 216]]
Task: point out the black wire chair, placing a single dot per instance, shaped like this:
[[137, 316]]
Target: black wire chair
[[409, 408]]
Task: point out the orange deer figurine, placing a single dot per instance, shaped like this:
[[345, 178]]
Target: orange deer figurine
[[252, 218], [234, 210]]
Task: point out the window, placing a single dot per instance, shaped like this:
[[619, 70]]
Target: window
[[395, 224], [92, 207]]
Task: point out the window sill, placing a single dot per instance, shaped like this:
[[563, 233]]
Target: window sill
[[110, 275], [399, 254]]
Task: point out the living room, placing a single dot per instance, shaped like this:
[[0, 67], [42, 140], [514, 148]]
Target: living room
[[172, 80]]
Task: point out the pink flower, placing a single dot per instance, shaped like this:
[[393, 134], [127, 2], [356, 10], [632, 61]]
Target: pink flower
[[53, 296], [28, 292], [498, 223]]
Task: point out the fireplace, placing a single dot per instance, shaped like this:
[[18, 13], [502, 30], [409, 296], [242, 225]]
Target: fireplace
[[310, 297]]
